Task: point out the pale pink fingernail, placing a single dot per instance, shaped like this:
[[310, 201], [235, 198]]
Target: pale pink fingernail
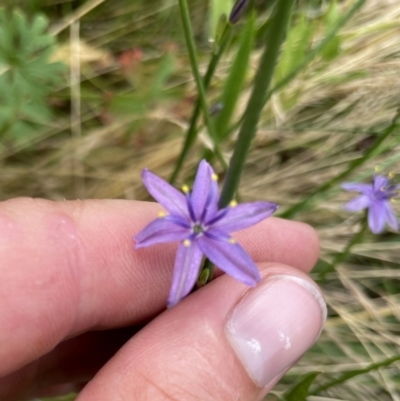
[[274, 324]]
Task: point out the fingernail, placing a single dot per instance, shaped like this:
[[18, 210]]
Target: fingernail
[[274, 324]]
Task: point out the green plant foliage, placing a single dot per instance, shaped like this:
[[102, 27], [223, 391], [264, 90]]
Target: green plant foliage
[[138, 102], [27, 76], [299, 391], [236, 78], [332, 50], [353, 373], [296, 47], [218, 9]]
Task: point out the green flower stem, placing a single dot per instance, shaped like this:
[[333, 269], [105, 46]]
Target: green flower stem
[[274, 40], [341, 256], [370, 153], [188, 32], [191, 134]]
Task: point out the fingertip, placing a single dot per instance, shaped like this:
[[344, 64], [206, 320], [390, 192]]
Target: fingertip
[[223, 342]]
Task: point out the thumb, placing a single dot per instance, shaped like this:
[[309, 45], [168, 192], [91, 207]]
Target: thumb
[[223, 342]]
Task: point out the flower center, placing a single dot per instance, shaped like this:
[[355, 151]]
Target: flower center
[[197, 229]]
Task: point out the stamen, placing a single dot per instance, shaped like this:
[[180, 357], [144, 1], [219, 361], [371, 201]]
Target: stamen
[[214, 177], [393, 200], [391, 174], [187, 243], [377, 168], [231, 241], [161, 214], [233, 203], [185, 189]]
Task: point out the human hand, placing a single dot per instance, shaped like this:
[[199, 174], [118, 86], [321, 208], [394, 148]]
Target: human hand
[[74, 292]]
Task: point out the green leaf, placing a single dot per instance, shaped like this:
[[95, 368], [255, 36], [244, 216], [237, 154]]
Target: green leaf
[[353, 373], [296, 47], [299, 391], [218, 8], [27, 75], [333, 48], [235, 81]]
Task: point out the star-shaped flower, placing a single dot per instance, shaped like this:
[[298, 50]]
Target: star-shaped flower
[[202, 229], [376, 197]]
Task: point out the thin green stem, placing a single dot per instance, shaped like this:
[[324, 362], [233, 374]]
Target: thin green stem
[[353, 165], [274, 40], [191, 133], [341, 256], [189, 37], [346, 376]]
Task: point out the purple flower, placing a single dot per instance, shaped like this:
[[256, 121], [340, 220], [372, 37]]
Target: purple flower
[[376, 197], [202, 229]]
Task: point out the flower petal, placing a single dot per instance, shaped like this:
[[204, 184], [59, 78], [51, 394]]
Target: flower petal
[[159, 231], [186, 270], [377, 217], [245, 215], [231, 258], [201, 188], [391, 218], [381, 181], [357, 204], [164, 193], [211, 208], [358, 187]]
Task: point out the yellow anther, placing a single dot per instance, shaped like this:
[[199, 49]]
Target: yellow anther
[[214, 177], [185, 189], [161, 214], [187, 243], [377, 168], [232, 203], [232, 241], [391, 174], [393, 200]]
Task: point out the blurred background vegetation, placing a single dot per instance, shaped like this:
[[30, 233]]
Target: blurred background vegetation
[[92, 91]]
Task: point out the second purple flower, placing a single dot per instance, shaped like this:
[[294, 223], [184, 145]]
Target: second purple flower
[[202, 229], [375, 197]]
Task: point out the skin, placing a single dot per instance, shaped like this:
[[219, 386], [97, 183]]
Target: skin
[[74, 294]]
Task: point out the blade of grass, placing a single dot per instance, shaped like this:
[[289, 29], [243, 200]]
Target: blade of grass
[[234, 83], [218, 8], [191, 133], [341, 256], [353, 165], [317, 50], [310, 57], [273, 42], [299, 391], [189, 37], [348, 375]]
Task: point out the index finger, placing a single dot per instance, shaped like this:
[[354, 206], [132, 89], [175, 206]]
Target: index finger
[[69, 267]]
